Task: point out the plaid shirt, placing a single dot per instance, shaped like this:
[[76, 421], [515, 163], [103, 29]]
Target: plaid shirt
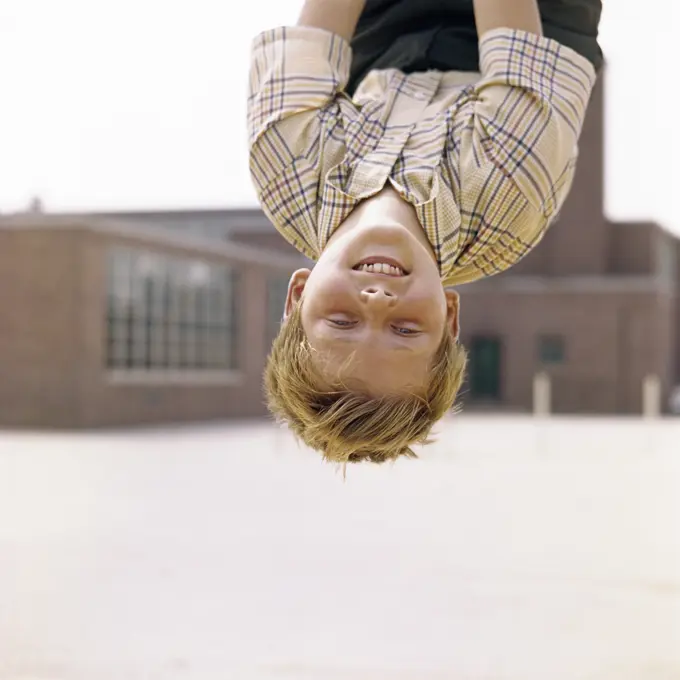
[[485, 159]]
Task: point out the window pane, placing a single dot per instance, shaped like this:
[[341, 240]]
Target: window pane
[[551, 349], [139, 343], [157, 350], [165, 312], [174, 357], [119, 281], [158, 291], [218, 348]]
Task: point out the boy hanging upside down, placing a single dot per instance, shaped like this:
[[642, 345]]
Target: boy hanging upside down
[[406, 146]]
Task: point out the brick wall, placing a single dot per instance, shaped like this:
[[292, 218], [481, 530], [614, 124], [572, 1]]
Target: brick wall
[[39, 350], [612, 340], [578, 242], [632, 248], [52, 342]]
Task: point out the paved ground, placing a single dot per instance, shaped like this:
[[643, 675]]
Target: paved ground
[[512, 550]]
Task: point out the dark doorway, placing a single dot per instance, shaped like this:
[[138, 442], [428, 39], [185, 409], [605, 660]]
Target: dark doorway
[[485, 368]]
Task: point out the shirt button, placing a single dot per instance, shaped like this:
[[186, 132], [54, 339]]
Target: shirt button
[[420, 95]]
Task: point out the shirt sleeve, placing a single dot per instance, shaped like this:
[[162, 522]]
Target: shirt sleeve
[[293, 124], [526, 115]]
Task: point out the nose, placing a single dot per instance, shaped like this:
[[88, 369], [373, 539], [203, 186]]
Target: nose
[[378, 297]]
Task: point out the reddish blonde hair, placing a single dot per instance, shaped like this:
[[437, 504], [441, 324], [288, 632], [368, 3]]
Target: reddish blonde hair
[[348, 426]]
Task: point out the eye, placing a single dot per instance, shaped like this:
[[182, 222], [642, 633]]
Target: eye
[[341, 323], [401, 330]]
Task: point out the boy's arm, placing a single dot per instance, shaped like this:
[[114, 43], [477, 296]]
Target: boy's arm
[[336, 16], [522, 128], [295, 120], [521, 15]]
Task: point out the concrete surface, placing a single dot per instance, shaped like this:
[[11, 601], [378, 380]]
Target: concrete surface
[[514, 549]]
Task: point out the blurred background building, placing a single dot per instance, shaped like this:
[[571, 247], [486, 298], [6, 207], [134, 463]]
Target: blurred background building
[[148, 317]]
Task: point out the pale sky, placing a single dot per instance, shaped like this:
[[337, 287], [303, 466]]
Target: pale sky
[[124, 104]]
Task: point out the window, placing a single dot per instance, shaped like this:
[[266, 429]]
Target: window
[[551, 349], [169, 313]]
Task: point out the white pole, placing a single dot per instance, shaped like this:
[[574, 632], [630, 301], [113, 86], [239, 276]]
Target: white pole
[[542, 394], [651, 396]]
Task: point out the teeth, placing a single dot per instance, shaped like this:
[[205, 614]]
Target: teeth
[[381, 268]]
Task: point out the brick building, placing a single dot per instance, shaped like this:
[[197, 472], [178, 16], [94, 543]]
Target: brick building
[[107, 323], [131, 318], [596, 305]]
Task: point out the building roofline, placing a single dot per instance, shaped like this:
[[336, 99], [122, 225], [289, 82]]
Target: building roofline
[[605, 284], [187, 210], [653, 224], [235, 220], [150, 235]]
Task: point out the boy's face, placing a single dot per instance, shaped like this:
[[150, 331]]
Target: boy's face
[[374, 309]]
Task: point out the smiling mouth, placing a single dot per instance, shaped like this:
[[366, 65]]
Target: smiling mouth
[[381, 265]]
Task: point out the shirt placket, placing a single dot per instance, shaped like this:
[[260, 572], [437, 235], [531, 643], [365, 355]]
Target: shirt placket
[[410, 99]]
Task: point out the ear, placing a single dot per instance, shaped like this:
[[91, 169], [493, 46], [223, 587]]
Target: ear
[[296, 285], [453, 312]]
